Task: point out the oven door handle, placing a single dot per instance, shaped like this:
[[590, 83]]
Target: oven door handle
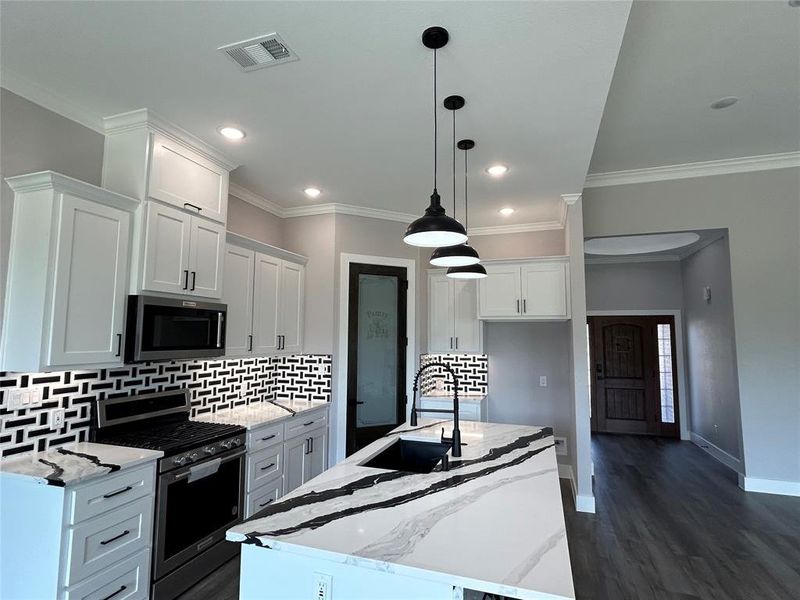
[[220, 318], [185, 472]]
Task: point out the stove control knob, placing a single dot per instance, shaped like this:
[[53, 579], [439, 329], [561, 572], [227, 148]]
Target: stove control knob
[[209, 449], [194, 456], [179, 460], [227, 444], [237, 442]]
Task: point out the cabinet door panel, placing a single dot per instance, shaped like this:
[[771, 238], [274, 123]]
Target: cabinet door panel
[[181, 177], [166, 259], [207, 248], [238, 295], [544, 290], [467, 328], [294, 463], [292, 282], [266, 303], [90, 283], [316, 459], [499, 293], [440, 313]]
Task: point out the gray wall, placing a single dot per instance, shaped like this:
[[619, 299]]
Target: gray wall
[[634, 286], [520, 245], [253, 222], [711, 347], [518, 354], [761, 211], [33, 139]]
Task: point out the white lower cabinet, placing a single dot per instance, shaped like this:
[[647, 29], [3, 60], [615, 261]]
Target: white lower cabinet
[[281, 458], [127, 580]]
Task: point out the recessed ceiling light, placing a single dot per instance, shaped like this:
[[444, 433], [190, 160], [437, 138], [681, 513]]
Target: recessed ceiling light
[[312, 192], [639, 244], [231, 133], [724, 102], [497, 170], [506, 211]]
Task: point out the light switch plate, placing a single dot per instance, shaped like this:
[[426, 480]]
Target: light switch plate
[[56, 418], [542, 380], [561, 446]]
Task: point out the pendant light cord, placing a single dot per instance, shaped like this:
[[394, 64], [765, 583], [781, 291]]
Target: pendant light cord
[[435, 123], [454, 164], [466, 198]]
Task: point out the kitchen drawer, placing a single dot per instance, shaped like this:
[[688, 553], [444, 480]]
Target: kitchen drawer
[[100, 542], [110, 492], [264, 465], [259, 499], [127, 580], [303, 422], [264, 436]]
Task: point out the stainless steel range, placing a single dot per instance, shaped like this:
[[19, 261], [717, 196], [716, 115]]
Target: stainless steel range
[[200, 490]]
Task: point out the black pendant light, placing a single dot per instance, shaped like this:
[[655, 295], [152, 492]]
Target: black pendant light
[[476, 270], [459, 255], [435, 228]]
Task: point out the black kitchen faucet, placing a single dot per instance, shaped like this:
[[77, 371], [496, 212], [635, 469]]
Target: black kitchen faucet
[[456, 439]]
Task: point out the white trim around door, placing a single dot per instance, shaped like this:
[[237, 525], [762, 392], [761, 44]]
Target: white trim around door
[[683, 388], [339, 404]]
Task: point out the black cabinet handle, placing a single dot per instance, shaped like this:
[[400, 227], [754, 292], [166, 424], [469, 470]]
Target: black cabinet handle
[[119, 344], [456, 342], [122, 589], [194, 206], [525, 305], [186, 279], [250, 344], [116, 537], [517, 305], [451, 343], [269, 437], [311, 445], [118, 492], [269, 466], [307, 424], [263, 504], [194, 279]]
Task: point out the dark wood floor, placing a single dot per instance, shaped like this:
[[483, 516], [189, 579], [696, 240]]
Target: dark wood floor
[[671, 524]]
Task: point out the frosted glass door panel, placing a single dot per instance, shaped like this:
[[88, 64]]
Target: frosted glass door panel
[[377, 350]]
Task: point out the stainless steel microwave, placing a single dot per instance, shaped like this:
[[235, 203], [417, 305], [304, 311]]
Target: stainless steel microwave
[[158, 328]]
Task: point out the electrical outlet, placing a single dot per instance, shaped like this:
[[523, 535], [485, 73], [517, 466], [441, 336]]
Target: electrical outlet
[[322, 586], [14, 399], [56, 418], [36, 395], [542, 380], [561, 446], [321, 369]]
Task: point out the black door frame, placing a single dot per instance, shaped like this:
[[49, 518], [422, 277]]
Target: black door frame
[[352, 444]]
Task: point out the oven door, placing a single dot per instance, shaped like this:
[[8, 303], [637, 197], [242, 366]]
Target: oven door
[[195, 506], [167, 328]]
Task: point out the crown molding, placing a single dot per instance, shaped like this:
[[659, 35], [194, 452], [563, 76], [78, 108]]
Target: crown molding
[[146, 118], [627, 258], [519, 228], [745, 164], [348, 209], [21, 86], [258, 201], [570, 199], [45, 180]]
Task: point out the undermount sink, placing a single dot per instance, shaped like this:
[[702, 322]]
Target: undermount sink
[[409, 455]]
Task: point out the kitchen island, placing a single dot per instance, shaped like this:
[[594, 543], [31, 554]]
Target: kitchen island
[[492, 523]]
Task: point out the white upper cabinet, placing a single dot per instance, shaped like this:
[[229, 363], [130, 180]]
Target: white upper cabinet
[[149, 158], [67, 275], [270, 319], [181, 254], [534, 289], [184, 178], [453, 324]]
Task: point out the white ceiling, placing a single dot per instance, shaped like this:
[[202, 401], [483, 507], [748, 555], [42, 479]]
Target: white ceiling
[[353, 116], [677, 58]]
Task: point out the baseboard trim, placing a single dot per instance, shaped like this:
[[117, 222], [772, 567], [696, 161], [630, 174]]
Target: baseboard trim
[[582, 503], [769, 486], [725, 458]]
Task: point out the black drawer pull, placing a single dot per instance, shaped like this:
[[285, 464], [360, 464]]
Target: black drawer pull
[[194, 206], [116, 537], [307, 424], [263, 504], [118, 492], [122, 589], [269, 437], [269, 466]]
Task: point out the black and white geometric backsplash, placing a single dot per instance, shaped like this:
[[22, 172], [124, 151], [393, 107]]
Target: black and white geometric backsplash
[[214, 385], [472, 371]]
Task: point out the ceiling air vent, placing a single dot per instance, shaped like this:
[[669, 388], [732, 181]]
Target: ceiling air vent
[[257, 53]]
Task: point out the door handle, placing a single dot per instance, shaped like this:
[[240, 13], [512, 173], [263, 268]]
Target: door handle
[[250, 343], [517, 305], [451, 343], [119, 344], [311, 445], [525, 305], [194, 280], [194, 206], [308, 445], [220, 319], [186, 279], [456, 342]]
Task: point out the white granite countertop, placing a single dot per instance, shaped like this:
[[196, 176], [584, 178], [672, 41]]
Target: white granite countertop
[[494, 522], [255, 415], [74, 463], [462, 398]]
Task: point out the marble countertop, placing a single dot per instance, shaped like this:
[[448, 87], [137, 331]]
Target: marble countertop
[[438, 395], [255, 415], [75, 463], [494, 522]]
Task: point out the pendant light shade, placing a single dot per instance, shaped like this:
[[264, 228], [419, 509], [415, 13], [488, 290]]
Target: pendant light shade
[[455, 256], [435, 228], [469, 272]]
